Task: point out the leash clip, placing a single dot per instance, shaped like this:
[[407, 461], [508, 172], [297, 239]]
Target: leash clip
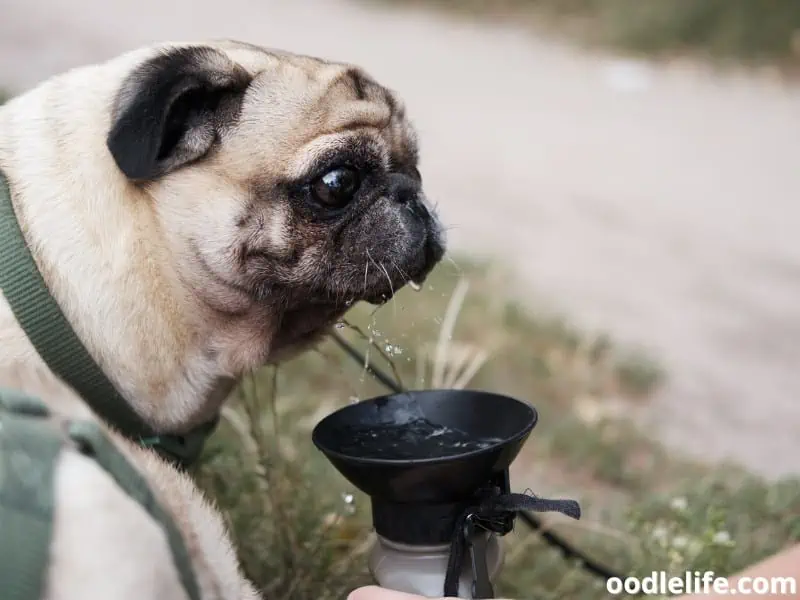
[[182, 449]]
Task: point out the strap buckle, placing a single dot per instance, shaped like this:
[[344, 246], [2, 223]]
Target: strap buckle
[[182, 449]]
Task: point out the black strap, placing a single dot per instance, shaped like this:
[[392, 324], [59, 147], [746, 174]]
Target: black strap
[[57, 344], [492, 513]]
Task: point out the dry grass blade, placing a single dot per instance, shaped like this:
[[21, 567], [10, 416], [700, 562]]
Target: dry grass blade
[[423, 357], [242, 430], [454, 364], [458, 357], [446, 331], [345, 563], [312, 554], [478, 360]]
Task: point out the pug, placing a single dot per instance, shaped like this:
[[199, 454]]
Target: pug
[[104, 544], [198, 210]]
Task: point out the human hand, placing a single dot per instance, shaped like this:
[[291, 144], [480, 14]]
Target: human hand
[[373, 592]]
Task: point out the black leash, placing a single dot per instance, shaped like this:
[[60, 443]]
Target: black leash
[[568, 551], [520, 504]]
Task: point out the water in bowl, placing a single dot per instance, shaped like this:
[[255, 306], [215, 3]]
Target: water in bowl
[[414, 440]]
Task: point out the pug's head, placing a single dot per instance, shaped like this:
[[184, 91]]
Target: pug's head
[[277, 179]]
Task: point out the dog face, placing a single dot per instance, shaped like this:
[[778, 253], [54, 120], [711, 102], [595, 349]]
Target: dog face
[[277, 179]]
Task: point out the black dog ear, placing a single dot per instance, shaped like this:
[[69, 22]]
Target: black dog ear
[[169, 110]]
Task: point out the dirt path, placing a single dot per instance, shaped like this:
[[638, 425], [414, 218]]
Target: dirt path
[[666, 211]]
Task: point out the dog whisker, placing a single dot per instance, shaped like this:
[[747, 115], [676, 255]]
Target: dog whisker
[[403, 274], [366, 273], [385, 272], [391, 287], [388, 279]]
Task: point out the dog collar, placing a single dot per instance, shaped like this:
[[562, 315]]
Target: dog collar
[[57, 344]]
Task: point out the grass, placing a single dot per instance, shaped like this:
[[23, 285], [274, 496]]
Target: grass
[[301, 538], [762, 31]]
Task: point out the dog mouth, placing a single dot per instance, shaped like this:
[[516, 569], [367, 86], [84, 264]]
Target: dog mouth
[[383, 296], [385, 288]]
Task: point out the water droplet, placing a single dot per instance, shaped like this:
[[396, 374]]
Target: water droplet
[[339, 325], [721, 538], [349, 503]]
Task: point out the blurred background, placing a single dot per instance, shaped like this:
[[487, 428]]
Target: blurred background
[[621, 183]]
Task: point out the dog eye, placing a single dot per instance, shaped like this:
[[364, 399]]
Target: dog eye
[[337, 187]]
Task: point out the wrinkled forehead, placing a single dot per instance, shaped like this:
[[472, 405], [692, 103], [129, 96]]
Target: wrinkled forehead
[[303, 107]]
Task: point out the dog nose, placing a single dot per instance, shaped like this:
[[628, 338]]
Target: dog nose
[[404, 189], [433, 252], [435, 248]]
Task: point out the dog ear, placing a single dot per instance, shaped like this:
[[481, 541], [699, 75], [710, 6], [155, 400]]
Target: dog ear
[[169, 111]]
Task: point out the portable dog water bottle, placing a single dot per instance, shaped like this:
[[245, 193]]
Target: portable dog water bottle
[[435, 464]]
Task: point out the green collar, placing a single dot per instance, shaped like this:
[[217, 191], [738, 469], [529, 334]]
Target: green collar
[[54, 339]]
